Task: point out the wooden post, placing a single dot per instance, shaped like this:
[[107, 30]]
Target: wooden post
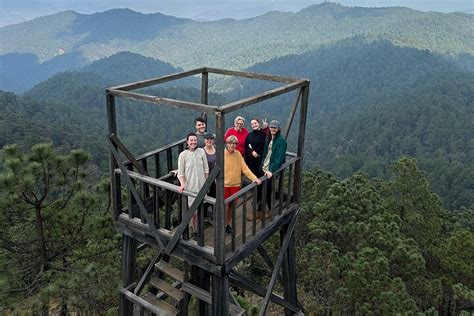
[[129, 256], [204, 92], [113, 164], [289, 270], [219, 215], [301, 135], [220, 295]]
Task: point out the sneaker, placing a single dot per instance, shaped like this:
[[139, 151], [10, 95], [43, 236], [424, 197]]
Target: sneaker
[[229, 230]]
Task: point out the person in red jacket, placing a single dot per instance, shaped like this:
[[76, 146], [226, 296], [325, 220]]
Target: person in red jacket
[[240, 132]]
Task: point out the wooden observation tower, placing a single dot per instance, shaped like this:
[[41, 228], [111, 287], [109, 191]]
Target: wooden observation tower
[[156, 216]]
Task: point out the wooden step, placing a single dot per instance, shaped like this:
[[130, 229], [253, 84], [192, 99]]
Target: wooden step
[[171, 271], [164, 307], [165, 287], [205, 296]]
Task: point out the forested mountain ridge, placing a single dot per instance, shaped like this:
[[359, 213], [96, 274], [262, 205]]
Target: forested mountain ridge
[[239, 43], [370, 102]]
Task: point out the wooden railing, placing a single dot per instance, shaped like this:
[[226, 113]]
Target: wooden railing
[[158, 190], [281, 187]]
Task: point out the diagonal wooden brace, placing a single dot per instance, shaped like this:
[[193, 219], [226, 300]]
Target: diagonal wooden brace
[[114, 138], [146, 276], [187, 217], [137, 197], [281, 256]]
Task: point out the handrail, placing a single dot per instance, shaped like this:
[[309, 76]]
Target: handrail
[[165, 185], [263, 178], [157, 151]]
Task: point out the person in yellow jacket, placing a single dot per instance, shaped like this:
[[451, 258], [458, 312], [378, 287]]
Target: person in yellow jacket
[[234, 166]]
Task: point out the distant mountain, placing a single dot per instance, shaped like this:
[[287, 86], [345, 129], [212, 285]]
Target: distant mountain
[[125, 67], [20, 72], [235, 43]]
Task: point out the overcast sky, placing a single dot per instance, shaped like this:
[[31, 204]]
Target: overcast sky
[[14, 11]]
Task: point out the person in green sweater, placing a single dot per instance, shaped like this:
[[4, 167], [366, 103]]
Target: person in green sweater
[[274, 155], [234, 166]]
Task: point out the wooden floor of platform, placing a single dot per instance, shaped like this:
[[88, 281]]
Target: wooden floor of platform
[[232, 246]]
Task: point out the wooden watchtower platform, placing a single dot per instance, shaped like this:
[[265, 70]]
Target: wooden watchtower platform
[[155, 215]]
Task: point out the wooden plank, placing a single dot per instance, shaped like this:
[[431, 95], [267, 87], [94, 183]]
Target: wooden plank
[[163, 307], [147, 275], [220, 295], [292, 114], [219, 210], [189, 214], [167, 288], [237, 105], [171, 271], [139, 301], [249, 285], [289, 271], [204, 91], [253, 75], [281, 177], [300, 149], [205, 296], [114, 178], [191, 246], [164, 101], [262, 235], [244, 218], [114, 138], [143, 211], [279, 262], [129, 257], [159, 80], [165, 185], [266, 258]]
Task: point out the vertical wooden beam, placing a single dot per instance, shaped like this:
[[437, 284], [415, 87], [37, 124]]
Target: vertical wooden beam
[[301, 135], [219, 213], [204, 91], [289, 270], [113, 164], [129, 256], [220, 295]]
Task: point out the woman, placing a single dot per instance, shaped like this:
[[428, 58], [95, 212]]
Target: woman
[[192, 170], [240, 132], [254, 146], [234, 166], [211, 162], [274, 156]]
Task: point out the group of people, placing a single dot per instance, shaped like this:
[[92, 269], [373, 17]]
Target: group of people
[[255, 154]]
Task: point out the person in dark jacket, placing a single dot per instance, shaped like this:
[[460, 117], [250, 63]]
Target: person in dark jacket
[[254, 146], [274, 156]]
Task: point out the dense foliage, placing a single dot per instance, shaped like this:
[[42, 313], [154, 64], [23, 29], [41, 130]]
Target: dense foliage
[[383, 247], [58, 247]]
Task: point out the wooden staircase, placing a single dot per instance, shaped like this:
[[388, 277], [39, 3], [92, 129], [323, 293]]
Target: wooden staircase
[[171, 288]]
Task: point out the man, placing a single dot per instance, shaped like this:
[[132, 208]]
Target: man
[[200, 124]]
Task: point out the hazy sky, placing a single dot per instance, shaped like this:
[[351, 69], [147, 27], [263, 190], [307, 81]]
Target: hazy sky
[[14, 11]]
